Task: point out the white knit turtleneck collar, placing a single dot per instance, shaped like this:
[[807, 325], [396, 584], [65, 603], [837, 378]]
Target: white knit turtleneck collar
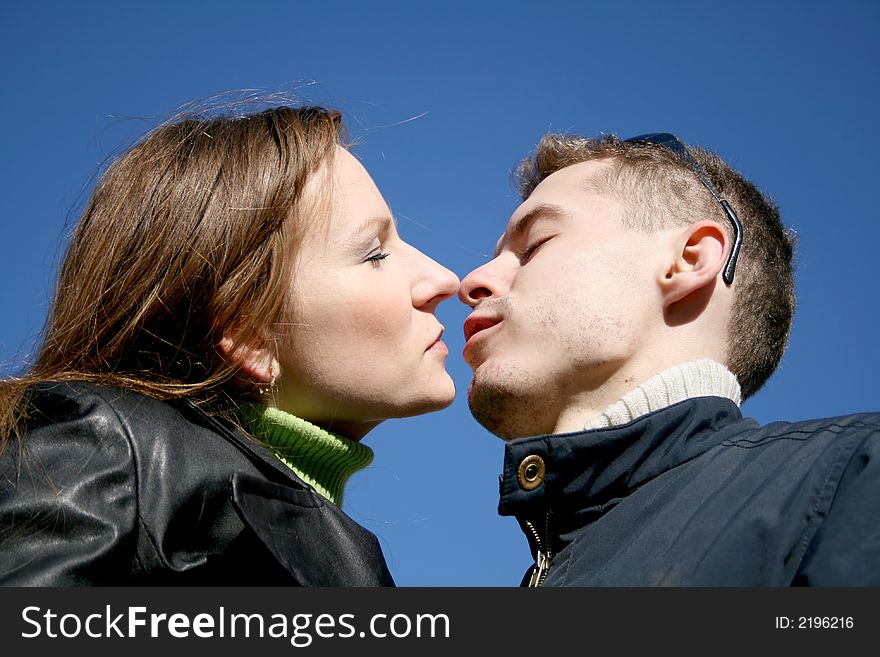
[[698, 378]]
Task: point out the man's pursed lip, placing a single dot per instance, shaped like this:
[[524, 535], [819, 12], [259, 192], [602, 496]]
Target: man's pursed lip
[[475, 324], [475, 329]]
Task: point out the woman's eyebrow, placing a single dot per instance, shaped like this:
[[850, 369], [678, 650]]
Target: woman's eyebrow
[[521, 226], [378, 225]]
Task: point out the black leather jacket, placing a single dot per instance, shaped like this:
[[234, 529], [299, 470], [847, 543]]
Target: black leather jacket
[[114, 488]]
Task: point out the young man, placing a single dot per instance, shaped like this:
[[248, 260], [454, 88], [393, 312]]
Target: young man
[[641, 291]]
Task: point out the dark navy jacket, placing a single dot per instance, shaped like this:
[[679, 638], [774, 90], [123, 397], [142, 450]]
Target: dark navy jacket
[[114, 488], [696, 495]]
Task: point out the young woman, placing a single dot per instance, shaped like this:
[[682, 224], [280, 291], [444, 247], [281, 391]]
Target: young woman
[[235, 311]]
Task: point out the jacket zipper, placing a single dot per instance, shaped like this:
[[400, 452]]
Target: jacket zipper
[[543, 555]]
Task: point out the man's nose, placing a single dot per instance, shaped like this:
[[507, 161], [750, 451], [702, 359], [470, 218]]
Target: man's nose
[[481, 284]]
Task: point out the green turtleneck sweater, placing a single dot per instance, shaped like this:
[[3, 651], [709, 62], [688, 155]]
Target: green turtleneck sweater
[[323, 459]]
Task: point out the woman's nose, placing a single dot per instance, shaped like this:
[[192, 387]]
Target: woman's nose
[[437, 284]]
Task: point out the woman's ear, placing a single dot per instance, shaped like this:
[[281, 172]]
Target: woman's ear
[[699, 256], [256, 362]]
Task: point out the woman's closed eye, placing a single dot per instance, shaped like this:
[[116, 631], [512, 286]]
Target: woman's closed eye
[[376, 256]]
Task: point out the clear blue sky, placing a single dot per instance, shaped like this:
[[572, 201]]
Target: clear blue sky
[[785, 91]]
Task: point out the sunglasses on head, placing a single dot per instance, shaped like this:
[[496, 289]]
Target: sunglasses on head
[[674, 145]]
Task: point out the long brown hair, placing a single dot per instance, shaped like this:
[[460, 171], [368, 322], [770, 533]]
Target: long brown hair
[[188, 234]]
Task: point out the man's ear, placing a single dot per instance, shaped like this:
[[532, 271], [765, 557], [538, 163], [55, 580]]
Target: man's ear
[[699, 256], [257, 362]]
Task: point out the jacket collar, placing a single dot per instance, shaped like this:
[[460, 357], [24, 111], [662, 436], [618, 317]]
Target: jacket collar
[[260, 455], [309, 536], [590, 468]]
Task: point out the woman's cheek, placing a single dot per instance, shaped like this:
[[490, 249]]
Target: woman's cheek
[[382, 313]]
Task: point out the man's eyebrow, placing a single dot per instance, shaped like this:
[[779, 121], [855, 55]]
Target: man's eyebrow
[[522, 225]]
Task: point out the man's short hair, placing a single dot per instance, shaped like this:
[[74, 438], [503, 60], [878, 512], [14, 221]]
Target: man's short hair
[[658, 190]]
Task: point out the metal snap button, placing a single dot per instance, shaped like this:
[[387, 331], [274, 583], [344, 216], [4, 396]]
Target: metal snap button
[[530, 473]]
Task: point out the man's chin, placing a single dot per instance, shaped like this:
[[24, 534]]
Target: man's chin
[[500, 412], [482, 407]]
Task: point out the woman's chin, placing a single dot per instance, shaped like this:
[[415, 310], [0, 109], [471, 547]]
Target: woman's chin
[[439, 397]]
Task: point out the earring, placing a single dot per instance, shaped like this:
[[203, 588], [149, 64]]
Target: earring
[[267, 387]]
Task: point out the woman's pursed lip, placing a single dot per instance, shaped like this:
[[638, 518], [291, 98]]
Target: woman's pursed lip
[[439, 346], [438, 342]]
